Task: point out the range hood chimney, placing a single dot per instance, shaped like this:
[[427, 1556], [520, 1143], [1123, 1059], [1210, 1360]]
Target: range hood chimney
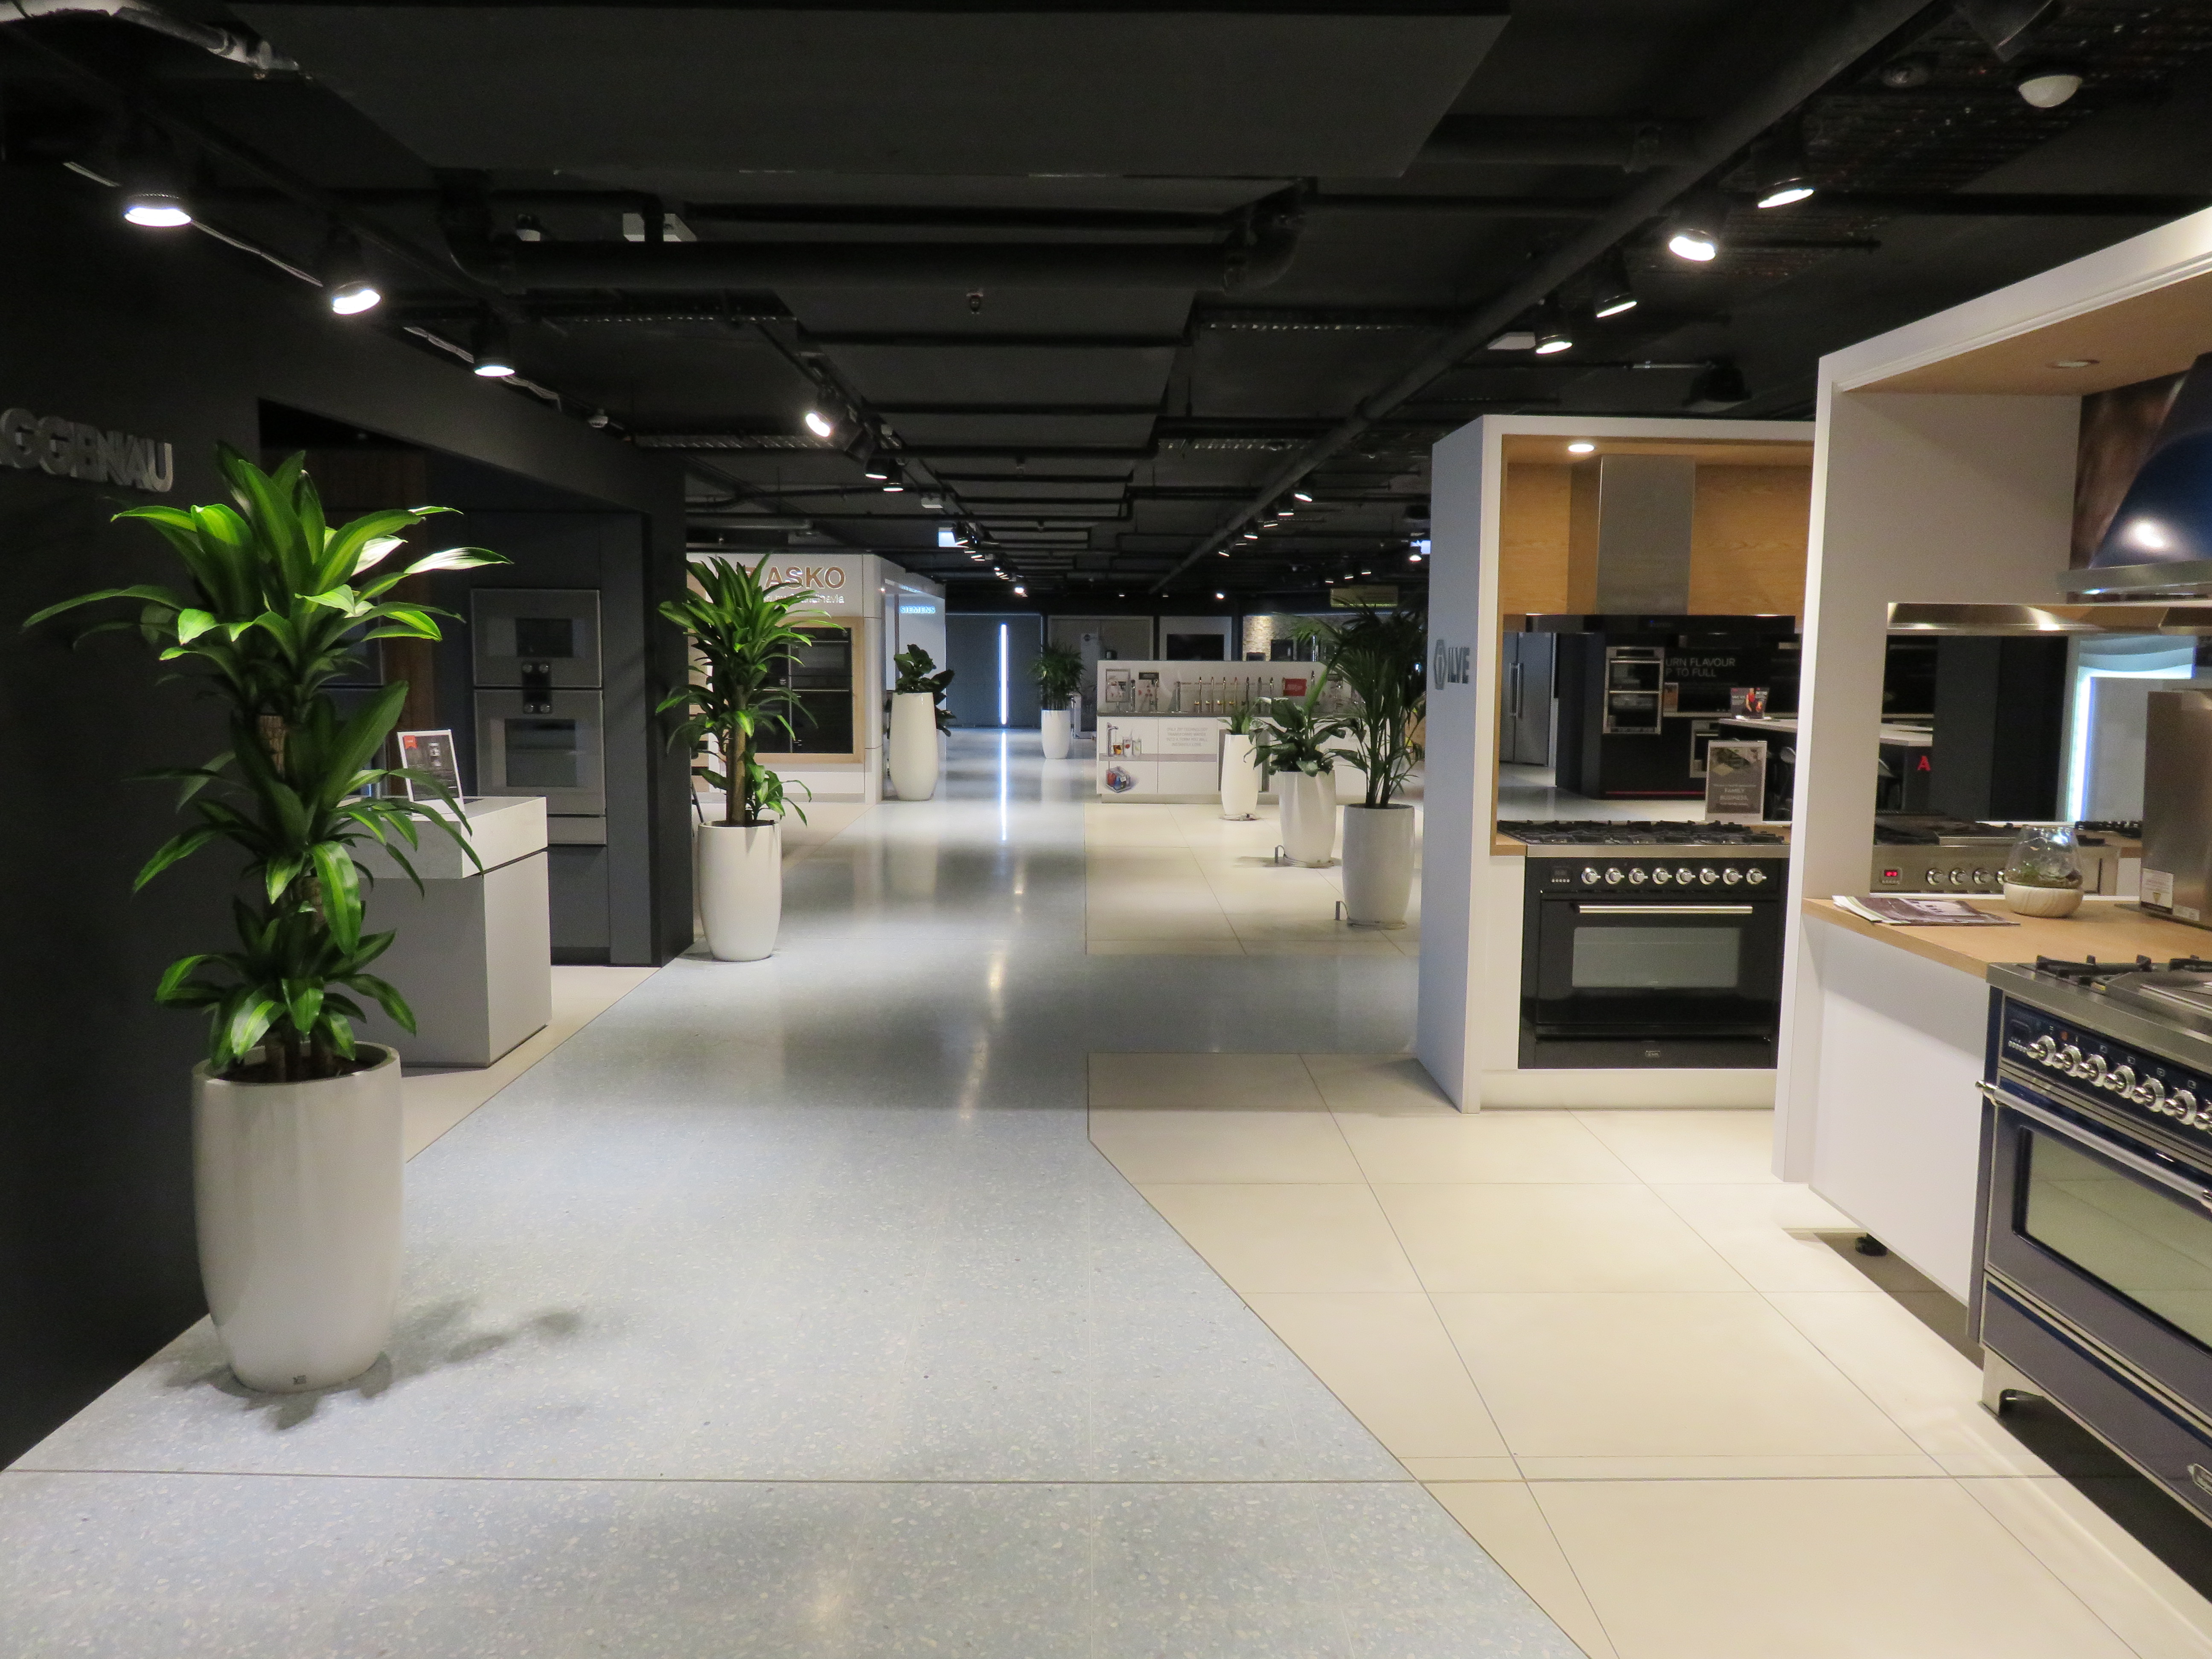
[[2160, 542], [1628, 539]]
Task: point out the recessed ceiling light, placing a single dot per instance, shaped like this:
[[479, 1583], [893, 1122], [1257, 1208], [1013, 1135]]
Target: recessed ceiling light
[[1581, 446], [2074, 362], [1412, 558], [1220, 596]]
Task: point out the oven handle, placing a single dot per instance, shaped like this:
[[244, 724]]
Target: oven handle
[[1663, 909], [2149, 1168]]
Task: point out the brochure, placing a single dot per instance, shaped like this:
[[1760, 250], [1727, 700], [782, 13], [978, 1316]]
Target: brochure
[[1921, 912]]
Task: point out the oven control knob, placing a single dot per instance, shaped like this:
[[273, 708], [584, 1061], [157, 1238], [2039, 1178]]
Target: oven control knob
[[1930, 878], [2122, 1079], [1663, 877], [2092, 1070], [2042, 1048], [1708, 876], [1613, 877], [2182, 1104], [2069, 1058], [1957, 878], [1756, 877], [1589, 875], [1686, 876], [2150, 1092], [1731, 876], [1637, 878]]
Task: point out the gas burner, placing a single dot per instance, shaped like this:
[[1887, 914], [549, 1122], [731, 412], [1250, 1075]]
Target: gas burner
[[1628, 832], [2091, 972]]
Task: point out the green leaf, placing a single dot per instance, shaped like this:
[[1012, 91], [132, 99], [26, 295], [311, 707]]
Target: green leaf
[[182, 844], [341, 894], [387, 998], [248, 1023]]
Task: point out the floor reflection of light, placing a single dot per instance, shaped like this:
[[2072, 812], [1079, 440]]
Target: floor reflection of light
[[1005, 784]]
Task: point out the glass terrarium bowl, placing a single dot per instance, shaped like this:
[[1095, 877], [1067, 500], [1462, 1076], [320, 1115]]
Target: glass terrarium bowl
[[2040, 876]]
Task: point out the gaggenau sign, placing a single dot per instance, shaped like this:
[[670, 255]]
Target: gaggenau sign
[[74, 449]]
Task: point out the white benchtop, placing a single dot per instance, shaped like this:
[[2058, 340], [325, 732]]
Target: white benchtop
[[502, 828]]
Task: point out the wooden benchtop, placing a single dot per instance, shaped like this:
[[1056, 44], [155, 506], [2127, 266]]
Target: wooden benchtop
[[2110, 930]]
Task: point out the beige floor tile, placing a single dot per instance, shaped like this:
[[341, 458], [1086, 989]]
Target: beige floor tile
[[1407, 943], [1388, 1359], [1213, 1081], [1916, 1466], [1395, 1085], [1288, 1238], [2145, 1603], [1764, 1233], [1539, 1238], [1196, 1145], [1162, 947], [1119, 921], [1813, 1569], [1254, 925], [1461, 1468], [1929, 1389], [1504, 1518], [1689, 1147], [1664, 1376], [1352, 946], [1479, 1147]]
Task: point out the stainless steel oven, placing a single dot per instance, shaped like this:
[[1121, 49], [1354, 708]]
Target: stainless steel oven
[[2095, 1237], [541, 716], [1672, 957]]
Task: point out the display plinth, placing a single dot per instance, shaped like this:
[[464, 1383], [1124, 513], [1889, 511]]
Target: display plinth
[[474, 955]]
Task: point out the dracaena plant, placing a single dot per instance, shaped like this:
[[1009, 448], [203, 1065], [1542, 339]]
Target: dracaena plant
[[278, 604], [742, 634], [1381, 658], [1292, 734], [1059, 674]]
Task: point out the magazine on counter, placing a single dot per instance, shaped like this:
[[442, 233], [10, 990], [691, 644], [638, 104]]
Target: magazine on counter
[[1921, 912]]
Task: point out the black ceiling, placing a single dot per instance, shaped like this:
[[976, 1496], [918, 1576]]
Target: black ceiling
[[1111, 280]]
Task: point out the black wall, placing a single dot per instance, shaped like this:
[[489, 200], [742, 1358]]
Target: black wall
[[171, 337], [2000, 725], [971, 651]]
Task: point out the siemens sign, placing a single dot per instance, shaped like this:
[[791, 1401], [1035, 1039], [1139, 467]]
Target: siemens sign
[[71, 449]]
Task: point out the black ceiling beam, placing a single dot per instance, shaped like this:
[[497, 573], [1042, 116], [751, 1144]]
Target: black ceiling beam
[[1057, 411], [924, 341], [1995, 204], [1630, 146], [1210, 221], [1862, 26]]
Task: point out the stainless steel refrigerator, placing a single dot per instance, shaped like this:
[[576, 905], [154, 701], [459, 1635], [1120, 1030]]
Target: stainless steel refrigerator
[[1526, 739]]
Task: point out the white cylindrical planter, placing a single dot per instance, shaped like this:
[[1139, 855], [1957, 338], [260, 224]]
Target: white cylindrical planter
[[298, 1189], [1308, 808], [1240, 776], [740, 889], [914, 744], [1378, 865], [1059, 736]]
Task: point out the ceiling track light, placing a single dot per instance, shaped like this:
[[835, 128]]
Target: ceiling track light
[[489, 347], [1778, 165], [1612, 295], [1719, 386], [1300, 496], [2047, 86], [347, 283], [1693, 230], [154, 195], [820, 424], [1552, 333]]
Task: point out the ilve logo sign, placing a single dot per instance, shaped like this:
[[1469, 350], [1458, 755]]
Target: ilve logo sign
[[1451, 664], [72, 449]]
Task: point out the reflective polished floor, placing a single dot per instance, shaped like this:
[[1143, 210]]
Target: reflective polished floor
[[786, 1308]]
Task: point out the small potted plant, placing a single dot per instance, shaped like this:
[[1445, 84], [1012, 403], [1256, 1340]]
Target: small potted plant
[[741, 632], [1240, 764], [2040, 876], [918, 715], [1379, 656], [1059, 673], [296, 1127], [1293, 735]]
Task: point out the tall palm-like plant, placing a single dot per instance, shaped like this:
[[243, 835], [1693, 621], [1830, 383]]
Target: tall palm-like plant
[[741, 626], [280, 603], [1292, 734], [1059, 674], [1380, 657]]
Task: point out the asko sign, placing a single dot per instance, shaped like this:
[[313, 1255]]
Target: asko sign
[[75, 449], [832, 581]]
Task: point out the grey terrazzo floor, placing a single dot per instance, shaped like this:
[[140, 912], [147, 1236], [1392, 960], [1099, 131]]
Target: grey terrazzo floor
[[787, 1309]]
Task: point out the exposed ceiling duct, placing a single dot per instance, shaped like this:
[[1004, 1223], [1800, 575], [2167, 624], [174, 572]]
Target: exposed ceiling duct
[[238, 48]]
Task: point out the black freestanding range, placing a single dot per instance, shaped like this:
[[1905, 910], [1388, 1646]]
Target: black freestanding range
[[2095, 1239], [1651, 944]]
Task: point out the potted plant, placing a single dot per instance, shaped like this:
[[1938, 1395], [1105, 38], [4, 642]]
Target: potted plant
[[2041, 878], [741, 631], [1059, 673], [295, 1129], [1240, 764], [1379, 657], [918, 715], [1293, 735]]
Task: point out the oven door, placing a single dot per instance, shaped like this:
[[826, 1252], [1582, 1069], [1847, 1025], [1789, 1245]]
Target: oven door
[[1619, 972], [2112, 1238], [545, 744]]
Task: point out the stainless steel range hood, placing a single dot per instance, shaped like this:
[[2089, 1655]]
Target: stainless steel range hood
[[2133, 584], [2024, 621]]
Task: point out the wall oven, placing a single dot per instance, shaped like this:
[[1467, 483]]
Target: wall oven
[[2095, 1235], [1671, 956], [541, 717]]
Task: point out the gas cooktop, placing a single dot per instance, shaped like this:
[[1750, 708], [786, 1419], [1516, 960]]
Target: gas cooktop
[[2175, 993], [1917, 829], [1602, 832]]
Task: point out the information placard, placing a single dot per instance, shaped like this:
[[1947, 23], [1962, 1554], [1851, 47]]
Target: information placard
[[431, 752], [1736, 779]]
